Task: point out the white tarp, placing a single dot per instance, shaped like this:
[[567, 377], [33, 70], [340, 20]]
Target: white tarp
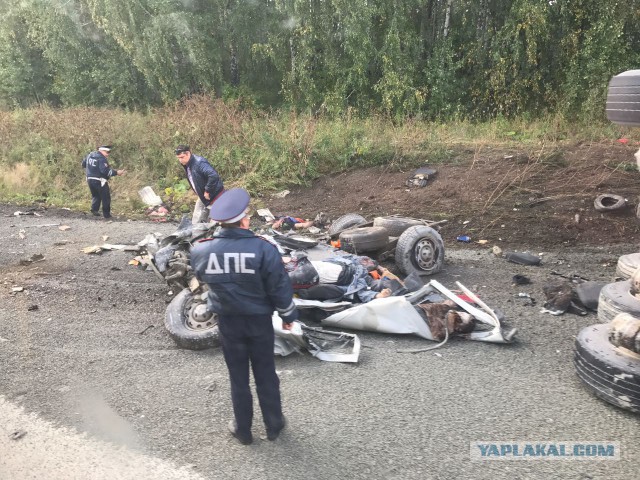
[[384, 315]]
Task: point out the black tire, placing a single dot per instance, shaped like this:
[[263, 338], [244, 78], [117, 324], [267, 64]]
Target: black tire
[[346, 221], [609, 202], [608, 371], [395, 226], [364, 239], [627, 265], [420, 250], [623, 98], [188, 325], [614, 299]]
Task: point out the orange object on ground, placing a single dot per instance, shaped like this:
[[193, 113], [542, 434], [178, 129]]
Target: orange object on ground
[[375, 274], [335, 243]]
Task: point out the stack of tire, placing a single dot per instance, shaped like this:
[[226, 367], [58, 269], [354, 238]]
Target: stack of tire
[[607, 356], [419, 248]]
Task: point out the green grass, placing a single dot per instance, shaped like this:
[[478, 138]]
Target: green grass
[[41, 148]]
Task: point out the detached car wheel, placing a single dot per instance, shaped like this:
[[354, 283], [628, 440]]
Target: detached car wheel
[[615, 298], [346, 221], [610, 372], [623, 98], [189, 322], [420, 250]]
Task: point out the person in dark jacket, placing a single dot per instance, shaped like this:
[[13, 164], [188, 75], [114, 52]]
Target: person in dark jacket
[[247, 283], [204, 180], [98, 174]]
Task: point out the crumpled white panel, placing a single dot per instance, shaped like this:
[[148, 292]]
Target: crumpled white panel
[[384, 315]]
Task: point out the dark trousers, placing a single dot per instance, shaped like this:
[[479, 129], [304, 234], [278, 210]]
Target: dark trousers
[[100, 194], [249, 339]]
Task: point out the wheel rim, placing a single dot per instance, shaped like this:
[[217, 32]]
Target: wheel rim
[[425, 254], [198, 318]]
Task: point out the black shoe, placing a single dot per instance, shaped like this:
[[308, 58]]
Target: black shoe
[[233, 429], [274, 434], [95, 214]]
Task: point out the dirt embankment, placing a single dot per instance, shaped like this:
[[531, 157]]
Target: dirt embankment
[[505, 197]]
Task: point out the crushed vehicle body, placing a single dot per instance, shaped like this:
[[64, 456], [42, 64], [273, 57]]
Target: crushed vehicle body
[[430, 311]]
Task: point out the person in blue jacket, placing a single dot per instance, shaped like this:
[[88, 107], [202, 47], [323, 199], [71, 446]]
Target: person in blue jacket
[[247, 283], [204, 180], [98, 174]]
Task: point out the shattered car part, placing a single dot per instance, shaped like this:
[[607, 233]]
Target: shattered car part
[[323, 344], [522, 258]]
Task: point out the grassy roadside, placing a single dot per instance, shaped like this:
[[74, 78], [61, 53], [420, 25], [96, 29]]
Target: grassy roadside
[[41, 149]]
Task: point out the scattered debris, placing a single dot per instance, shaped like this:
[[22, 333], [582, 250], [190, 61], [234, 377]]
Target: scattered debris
[[463, 238], [105, 238], [109, 246], [36, 257], [143, 331], [17, 289], [149, 197], [158, 213], [482, 242], [522, 258], [497, 251], [529, 300], [212, 387], [420, 177], [29, 212], [32, 308], [561, 299], [17, 435], [22, 234], [266, 214], [521, 280], [64, 228], [282, 194], [42, 225]]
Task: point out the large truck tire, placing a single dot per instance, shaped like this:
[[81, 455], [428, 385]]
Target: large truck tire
[[609, 372], [623, 98], [615, 298], [627, 265]]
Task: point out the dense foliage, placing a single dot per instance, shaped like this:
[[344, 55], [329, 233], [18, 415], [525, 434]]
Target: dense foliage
[[407, 58]]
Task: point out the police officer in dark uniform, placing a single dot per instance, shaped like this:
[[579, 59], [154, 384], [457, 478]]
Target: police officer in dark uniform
[[247, 282], [98, 174]]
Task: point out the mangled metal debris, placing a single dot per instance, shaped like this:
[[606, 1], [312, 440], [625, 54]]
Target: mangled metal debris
[[323, 344]]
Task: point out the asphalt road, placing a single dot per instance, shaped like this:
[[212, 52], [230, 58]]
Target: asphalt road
[[101, 395]]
